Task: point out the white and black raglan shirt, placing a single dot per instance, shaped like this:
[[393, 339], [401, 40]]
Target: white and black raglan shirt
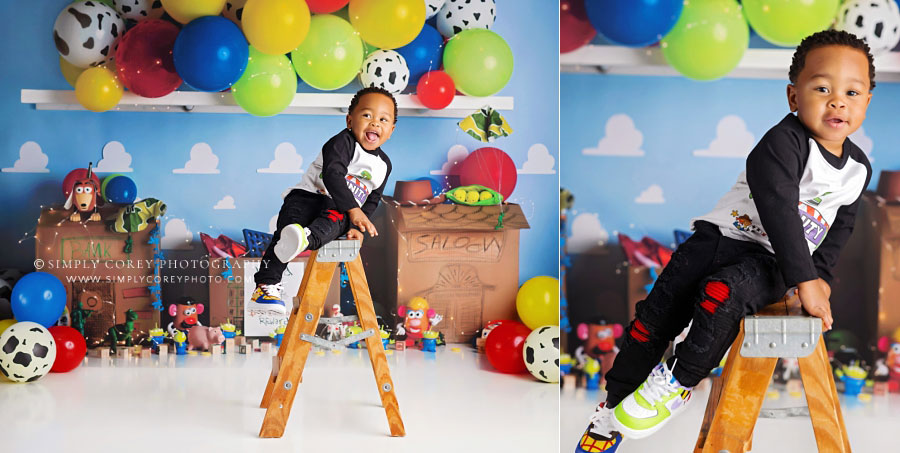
[[348, 174], [796, 199]]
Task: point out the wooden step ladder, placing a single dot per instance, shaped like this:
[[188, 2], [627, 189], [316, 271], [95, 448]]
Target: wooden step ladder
[[287, 367], [779, 330]]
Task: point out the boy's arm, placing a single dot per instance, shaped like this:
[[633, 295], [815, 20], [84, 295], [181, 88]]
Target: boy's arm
[[774, 168], [368, 208], [336, 155]]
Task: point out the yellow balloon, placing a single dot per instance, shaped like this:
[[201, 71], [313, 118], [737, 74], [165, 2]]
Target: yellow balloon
[[387, 24], [185, 11], [69, 71], [4, 324], [98, 89], [538, 302], [275, 27]]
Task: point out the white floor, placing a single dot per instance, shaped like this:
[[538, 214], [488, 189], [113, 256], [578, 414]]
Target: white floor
[[450, 401], [871, 425]]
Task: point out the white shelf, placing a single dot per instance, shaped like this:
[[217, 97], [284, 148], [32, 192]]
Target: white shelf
[[303, 103], [756, 63]]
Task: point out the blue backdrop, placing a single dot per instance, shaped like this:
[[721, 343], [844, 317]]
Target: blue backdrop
[[159, 143]]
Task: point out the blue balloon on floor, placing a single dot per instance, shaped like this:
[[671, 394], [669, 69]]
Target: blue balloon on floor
[[436, 187], [210, 53], [38, 297], [423, 54], [120, 190], [635, 23]]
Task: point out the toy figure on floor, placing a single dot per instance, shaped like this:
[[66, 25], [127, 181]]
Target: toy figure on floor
[[79, 317], [202, 337], [186, 312], [335, 332], [417, 319], [180, 340], [429, 341], [892, 362], [122, 331], [84, 197], [599, 342]]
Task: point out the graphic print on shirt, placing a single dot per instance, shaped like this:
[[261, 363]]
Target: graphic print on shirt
[[743, 222], [359, 190], [814, 226]]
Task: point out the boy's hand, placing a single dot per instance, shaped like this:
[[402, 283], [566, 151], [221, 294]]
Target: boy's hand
[[814, 298], [358, 218], [354, 234]]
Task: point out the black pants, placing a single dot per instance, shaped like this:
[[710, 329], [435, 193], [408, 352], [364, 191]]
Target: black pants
[[714, 281], [311, 210]]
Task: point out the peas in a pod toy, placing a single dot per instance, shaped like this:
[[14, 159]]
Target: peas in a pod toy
[[475, 195]]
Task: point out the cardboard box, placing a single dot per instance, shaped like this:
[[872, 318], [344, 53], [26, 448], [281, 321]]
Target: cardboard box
[[90, 261], [458, 260], [227, 297]]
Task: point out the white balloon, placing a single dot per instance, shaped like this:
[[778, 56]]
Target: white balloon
[[541, 353], [27, 351], [877, 22], [458, 15], [432, 7], [385, 69], [86, 33], [139, 10]]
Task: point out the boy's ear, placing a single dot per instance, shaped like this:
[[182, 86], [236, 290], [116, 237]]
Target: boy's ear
[[348, 121], [792, 97]]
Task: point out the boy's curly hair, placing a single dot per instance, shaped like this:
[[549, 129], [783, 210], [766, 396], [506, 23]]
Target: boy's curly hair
[[359, 94], [829, 38]]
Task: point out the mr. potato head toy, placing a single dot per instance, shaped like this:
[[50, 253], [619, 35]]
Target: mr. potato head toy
[[186, 313], [417, 319], [84, 195]]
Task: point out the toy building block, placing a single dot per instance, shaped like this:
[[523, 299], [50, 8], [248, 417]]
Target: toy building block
[[569, 383], [880, 388], [255, 344], [479, 344], [265, 347], [145, 353], [400, 345], [102, 353], [123, 353], [163, 352], [245, 349], [229, 346], [216, 349], [240, 339]]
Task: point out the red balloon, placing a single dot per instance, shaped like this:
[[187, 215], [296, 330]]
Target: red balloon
[[489, 167], [575, 29], [144, 59], [325, 6], [435, 90], [76, 174], [70, 348], [504, 345]]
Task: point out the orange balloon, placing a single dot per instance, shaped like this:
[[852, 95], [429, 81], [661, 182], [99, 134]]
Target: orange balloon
[[98, 89]]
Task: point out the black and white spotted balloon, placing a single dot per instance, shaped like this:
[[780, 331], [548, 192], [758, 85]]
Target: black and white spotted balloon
[[27, 351], [234, 10], [432, 7], [458, 15], [139, 10], [86, 33], [385, 69]]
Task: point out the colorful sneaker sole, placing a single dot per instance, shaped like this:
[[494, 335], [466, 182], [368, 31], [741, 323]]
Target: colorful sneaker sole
[[292, 242], [590, 444], [637, 428]]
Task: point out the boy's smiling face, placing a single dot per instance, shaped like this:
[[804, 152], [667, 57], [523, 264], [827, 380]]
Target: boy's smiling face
[[831, 94], [372, 120]]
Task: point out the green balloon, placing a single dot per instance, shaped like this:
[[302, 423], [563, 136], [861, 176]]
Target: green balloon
[[331, 54], [479, 62], [106, 180], [787, 22], [268, 85], [708, 40]]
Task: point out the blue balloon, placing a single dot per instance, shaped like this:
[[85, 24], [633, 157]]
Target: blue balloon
[[120, 190], [210, 53], [423, 54], [38, 297], [436, 187], [633, 23]]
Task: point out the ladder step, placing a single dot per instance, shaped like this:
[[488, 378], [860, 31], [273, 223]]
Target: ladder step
[[321, 342], [339, 319]]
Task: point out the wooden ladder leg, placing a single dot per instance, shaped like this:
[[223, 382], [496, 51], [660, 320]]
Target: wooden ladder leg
[[745, 382], [284, 388], [366, 311], [715, 394], [821, 397]]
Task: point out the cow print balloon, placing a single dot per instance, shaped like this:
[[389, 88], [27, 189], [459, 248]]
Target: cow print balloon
[[27, 352], [458, 15], [138, 10], [385, 69], [86, 33]]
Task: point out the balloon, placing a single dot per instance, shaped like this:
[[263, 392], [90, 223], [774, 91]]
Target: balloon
[[504, 345], [423, 54], [331, 55], [38, 297], [72, 176], [5, 323], [435, 90], [787, 22], [479, 61], [489, 167], [86, 33], [144, 59], [138, 10], [268, 85], [575, 30], [436, 187], [185, 11], [541, 353], [70, 348], [458, 15], [875, 22], [97, 89], [275, 26], [709, 39], [27, 353], [385, 69], [106, 181], [326, 6], [387, 24], [538, 302], [210, 53], [635, 23], [120, 190], [69, 71], [234, 11]]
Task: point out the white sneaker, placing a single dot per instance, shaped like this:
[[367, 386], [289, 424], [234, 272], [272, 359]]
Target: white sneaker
[[294, 240], [600, 435], [652, 405], [269, 296]]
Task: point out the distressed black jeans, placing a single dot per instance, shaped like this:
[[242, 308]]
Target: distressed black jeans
[[311, 210], [714, 281]]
